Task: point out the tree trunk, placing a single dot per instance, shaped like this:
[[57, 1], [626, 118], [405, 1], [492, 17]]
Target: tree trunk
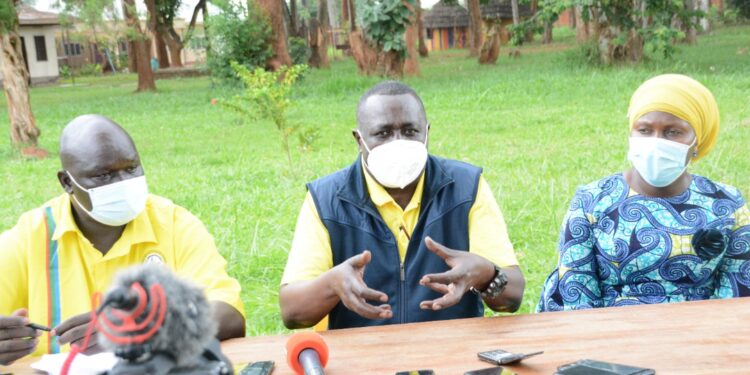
[[273, 10], [318, 38], [364, 54], [691, 34], [529, 37], [547, 37], [132, 60], [293, 18], [206, 37], [23, 130], [514, 10], [573, 18], [392, 64], [349, 15], [161, 49], [475, 27], [175, 52], [491, 47], [420, 31], [345, 14], [582, 25], [411, 37], [704, 6], [145, 74]]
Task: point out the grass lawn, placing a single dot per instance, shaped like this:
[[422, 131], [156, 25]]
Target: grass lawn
[[540, 125]]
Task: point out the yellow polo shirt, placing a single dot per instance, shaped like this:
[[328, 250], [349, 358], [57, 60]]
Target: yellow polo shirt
[[56, 282], [311, 254]]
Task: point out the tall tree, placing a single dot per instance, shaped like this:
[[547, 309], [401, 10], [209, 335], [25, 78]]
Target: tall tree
[[319, 31], [161, 23], [273, 11], [23, 130], [514, 11], [138, 42], [420, 31], [476, 35]]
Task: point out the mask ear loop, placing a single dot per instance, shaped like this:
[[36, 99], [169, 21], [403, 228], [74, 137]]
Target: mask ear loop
[[361, 139], [76, 199]]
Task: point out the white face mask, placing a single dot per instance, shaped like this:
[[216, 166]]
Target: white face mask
[[117, 203], [397, 163], [659, 161]]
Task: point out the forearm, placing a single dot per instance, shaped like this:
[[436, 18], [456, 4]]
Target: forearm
[[510, 299], [231, 322], [305, 303]]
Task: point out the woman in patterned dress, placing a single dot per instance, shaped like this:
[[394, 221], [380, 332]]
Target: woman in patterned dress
[[655, 233]]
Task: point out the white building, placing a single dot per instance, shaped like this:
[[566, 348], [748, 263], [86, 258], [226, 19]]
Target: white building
[[37, 31]]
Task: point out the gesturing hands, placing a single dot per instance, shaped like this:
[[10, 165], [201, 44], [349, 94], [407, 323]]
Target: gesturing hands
[[467, 270], [348, 283], [16, 339], [73, 331]]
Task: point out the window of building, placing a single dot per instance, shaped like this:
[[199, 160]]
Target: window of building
[[41, 48]]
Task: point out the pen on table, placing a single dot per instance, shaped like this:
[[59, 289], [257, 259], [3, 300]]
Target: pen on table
[[39, 327]]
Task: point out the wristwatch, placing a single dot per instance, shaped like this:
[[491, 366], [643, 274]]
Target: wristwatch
[[495, 287]]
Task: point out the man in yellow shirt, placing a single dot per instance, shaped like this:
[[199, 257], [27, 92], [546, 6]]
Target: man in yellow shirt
[[58, 255], [399, 236]]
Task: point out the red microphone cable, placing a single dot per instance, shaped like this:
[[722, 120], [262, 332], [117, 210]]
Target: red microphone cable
[[128, 321]]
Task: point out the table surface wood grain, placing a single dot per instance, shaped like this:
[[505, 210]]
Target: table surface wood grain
[[704, 337]]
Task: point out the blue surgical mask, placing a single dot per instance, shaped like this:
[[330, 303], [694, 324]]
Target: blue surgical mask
[[115, 204], [659, 161]]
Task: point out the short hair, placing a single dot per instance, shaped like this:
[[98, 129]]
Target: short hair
[[389, 88]]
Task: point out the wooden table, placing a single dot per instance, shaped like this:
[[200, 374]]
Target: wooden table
[[706, 337]]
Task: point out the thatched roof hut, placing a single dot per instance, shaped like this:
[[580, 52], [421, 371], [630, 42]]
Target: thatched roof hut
[[444, 16], [501, 9]]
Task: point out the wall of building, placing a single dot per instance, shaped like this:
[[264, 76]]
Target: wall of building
[[41, 71]]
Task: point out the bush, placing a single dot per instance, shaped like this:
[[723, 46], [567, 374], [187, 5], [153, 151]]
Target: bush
[[298, 50], [742, 7], [237, 34], [90, 70], [266, 96]]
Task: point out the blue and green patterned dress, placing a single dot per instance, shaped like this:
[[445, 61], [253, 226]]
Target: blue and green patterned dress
[[618, 247]]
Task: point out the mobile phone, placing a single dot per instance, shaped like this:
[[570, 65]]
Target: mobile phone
[[502, 357], [497, 370], [592, 367], [417, 372], [258, 368]]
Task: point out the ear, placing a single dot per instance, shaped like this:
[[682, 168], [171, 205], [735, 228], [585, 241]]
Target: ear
[[65, 181], [360, 142]]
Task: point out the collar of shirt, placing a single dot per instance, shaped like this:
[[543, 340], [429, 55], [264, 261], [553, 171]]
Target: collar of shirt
[[380, 196], [136, 232]]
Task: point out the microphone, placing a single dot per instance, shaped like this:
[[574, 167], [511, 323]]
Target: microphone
[[307, 353], [158, 323]]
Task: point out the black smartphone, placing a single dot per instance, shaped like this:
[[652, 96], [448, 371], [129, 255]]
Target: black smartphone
[[416, 372], [257, 368], [592, 367], [497, 370]]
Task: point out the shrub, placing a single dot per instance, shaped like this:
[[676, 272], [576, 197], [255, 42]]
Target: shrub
[[238, 35]]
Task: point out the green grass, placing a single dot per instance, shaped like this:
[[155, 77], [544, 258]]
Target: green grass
[[540, 125]]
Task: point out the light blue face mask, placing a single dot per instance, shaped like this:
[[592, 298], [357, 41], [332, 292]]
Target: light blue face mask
[[115, 204], [659, 161]]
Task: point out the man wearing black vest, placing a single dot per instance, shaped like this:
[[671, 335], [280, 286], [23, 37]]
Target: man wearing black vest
[[399, 236]]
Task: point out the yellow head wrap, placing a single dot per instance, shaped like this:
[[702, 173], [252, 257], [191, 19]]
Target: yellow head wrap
[[682, 97]]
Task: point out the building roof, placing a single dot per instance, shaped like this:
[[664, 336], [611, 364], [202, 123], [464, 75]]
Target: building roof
[[443, 15], [30, 16], [501, 9]]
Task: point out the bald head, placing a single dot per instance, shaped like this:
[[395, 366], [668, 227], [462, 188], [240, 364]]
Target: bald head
[[93, 136], [96, 151]]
